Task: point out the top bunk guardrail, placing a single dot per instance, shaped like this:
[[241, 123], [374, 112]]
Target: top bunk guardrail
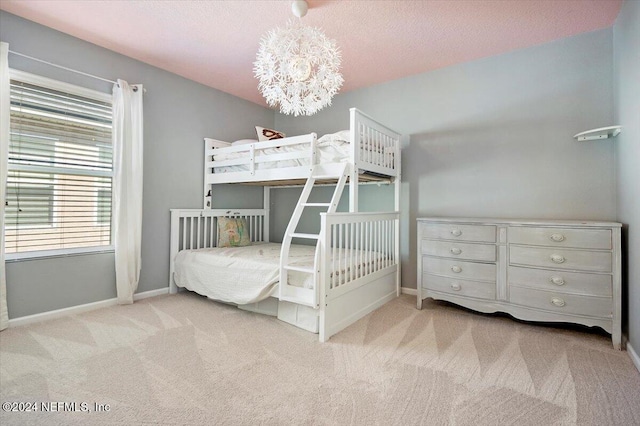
[[373, 148]]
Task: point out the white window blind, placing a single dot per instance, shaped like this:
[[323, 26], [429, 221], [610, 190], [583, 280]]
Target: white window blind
[[60, 170]]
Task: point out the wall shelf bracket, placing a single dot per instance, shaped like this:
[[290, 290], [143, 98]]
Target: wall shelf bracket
[[601, 133]]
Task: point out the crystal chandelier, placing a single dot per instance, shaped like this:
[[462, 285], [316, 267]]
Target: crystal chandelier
[[298, 67]]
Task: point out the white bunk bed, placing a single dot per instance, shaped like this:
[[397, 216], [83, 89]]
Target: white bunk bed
[[354, 268]]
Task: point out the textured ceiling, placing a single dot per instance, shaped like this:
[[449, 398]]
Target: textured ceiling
[[215, 42]]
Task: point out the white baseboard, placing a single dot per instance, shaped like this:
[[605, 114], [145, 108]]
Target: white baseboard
[[633, 355], [74, 310], [407, 290], [151, 293]]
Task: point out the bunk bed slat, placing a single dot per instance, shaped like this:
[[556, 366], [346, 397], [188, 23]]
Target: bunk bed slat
[[198, 233]]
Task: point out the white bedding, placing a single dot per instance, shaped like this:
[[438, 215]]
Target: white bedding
[[332, 148], [244, 275], [240, 275]]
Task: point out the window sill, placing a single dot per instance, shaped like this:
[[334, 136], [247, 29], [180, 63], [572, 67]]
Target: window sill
[[49, 254]]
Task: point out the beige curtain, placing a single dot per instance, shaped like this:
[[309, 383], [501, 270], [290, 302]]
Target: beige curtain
[[4, 150], [127, 187]]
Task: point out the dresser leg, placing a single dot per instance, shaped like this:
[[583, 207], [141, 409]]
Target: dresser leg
[[616, 338], [419, 303]]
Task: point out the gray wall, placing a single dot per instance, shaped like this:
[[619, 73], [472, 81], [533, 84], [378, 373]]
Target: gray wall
[[493, 137], [178, 113], [626, 65]]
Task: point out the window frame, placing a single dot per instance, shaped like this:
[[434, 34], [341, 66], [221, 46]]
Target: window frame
[[79, 91]]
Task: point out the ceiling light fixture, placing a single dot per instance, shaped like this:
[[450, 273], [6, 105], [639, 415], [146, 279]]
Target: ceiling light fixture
[[298, 67]]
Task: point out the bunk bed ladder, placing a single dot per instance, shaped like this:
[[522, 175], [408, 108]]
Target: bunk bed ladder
[[306, 296]]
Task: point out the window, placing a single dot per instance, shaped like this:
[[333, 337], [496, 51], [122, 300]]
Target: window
[[60, 168]]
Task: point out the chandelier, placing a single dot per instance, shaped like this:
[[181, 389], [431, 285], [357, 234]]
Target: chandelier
[[298, 67]]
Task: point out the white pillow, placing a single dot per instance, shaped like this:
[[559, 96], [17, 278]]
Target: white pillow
[[341, 136], [244, 142]]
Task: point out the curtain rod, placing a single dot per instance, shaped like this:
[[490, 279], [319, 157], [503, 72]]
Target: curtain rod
[[135, 89], [61, 67]]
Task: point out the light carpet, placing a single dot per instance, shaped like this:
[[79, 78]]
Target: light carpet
[[184, 360]]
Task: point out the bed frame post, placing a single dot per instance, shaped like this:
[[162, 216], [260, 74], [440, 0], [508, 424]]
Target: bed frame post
[[207, 188], [355, 143], [266, 198], [353, 191], [173, 248], [323, 281]]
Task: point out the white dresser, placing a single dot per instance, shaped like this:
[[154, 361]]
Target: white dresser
[[552, 271]]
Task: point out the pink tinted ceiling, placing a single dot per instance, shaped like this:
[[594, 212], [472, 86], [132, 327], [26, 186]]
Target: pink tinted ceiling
[[215, 42]]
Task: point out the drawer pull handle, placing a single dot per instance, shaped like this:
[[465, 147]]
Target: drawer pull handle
[[455, 286], [556, 301], [556, 258], [557, 280], [455, 250], [557, 237], [456, 232], [456, 269]]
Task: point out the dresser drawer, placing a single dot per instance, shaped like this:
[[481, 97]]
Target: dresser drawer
[[478, 289], [562, 302], [564, 281], [561, 237], [457, 250], [452, 231], [560, 258], [459, 269]]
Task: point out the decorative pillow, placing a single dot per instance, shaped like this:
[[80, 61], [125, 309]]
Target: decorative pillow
[[233, 232], [268, 134], [244, 142]]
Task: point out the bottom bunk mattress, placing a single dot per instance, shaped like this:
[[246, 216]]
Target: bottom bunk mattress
[[240, 275]]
